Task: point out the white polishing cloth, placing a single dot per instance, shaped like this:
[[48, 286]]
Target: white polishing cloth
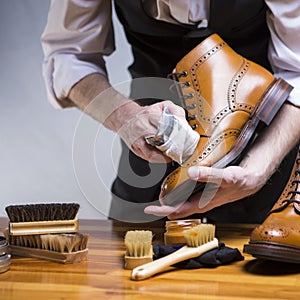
[[174, 137]]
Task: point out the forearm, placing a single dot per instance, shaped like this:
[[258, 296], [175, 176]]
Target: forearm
[[274, 143], [95, 96], [132, 122]]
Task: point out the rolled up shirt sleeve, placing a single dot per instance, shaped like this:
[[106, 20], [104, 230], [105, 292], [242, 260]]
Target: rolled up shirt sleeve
[[77, 35], [284, 49]]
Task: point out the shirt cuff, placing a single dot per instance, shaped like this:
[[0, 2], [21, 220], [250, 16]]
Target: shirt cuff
[[62, 71], [294, 97], [294, 80]]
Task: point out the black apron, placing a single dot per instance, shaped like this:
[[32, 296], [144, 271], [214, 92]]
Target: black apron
[[157, 46]]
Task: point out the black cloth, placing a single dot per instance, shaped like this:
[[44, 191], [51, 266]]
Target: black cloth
[[211, 259]]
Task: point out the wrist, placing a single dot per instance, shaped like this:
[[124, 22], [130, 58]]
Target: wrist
[[125, 111], [273, 143], [258, 168]]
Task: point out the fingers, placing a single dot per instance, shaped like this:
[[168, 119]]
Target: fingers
[[186, 209], [230, 175], [197, 203], [174, 109], [207, 199], [156, 110], [206, 174], [149, 153], [143, 124], [223, 186], [160, 211]]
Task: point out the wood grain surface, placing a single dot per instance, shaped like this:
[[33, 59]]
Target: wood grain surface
[[102, 275]]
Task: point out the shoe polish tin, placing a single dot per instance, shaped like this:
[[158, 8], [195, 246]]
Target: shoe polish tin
[[173, 235], [4, 256]]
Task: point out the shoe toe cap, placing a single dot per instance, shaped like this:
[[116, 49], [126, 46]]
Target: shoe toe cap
[[270, 233]]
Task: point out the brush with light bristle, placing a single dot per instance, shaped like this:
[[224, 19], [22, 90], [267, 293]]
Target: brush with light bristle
[[42, 218], [139, 249], [199, 239], [62, 248]]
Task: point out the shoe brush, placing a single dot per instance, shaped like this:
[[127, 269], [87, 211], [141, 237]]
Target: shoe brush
[[199, 240], [60, 247], [42, 218], [139, 249]]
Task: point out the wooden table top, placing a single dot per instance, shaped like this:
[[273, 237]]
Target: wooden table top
[[102, 275]]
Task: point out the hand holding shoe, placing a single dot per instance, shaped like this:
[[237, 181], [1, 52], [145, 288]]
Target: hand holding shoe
[[224, 186]]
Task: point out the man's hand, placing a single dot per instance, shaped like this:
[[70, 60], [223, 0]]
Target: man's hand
[[136, 123], [224, 186], [132, 122], [236, 182]]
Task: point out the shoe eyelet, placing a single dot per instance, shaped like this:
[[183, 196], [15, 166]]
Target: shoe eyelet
[[192, 117], [184, 73]]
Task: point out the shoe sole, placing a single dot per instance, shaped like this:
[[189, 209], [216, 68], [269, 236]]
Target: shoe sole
[[265, 112], [273, 251]]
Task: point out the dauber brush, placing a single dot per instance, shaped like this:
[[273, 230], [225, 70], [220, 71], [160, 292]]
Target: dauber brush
[[199, 239], [139, 250]]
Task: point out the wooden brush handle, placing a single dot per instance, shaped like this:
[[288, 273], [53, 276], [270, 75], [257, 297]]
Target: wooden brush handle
[[54, 256], [43, 227], [147, 270]]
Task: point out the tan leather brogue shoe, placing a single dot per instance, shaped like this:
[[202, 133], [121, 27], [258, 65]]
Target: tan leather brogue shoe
[[278, 238], [226, 97]]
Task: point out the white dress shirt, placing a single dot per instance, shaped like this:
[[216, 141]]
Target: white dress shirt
[[79, 33]]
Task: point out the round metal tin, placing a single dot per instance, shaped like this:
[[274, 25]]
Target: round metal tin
[[4, 256]]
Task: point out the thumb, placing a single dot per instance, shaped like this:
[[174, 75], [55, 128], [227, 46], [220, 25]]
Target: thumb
[[160, 211]]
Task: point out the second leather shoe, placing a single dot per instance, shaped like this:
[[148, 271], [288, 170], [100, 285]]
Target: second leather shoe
[[278, 238], [226, 96]]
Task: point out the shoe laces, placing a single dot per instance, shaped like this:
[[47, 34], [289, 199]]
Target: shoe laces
[[295, 183], [179, 86]]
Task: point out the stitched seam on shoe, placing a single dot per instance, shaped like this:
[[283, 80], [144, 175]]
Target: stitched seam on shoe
[[194, 77], [232, 89], [212, 145]]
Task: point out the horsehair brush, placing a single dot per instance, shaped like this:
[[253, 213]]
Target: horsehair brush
[[43, 218], [139, 249], [61, 248], [199, 239]]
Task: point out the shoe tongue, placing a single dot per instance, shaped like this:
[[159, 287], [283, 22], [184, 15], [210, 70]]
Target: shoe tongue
[[281, 205]]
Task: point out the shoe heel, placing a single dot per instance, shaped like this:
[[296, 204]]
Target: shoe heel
[[272, 100]]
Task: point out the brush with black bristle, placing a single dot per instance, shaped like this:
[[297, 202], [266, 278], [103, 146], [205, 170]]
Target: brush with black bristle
[[43, 218], [139, 249], [62, 248], [199, 239]]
